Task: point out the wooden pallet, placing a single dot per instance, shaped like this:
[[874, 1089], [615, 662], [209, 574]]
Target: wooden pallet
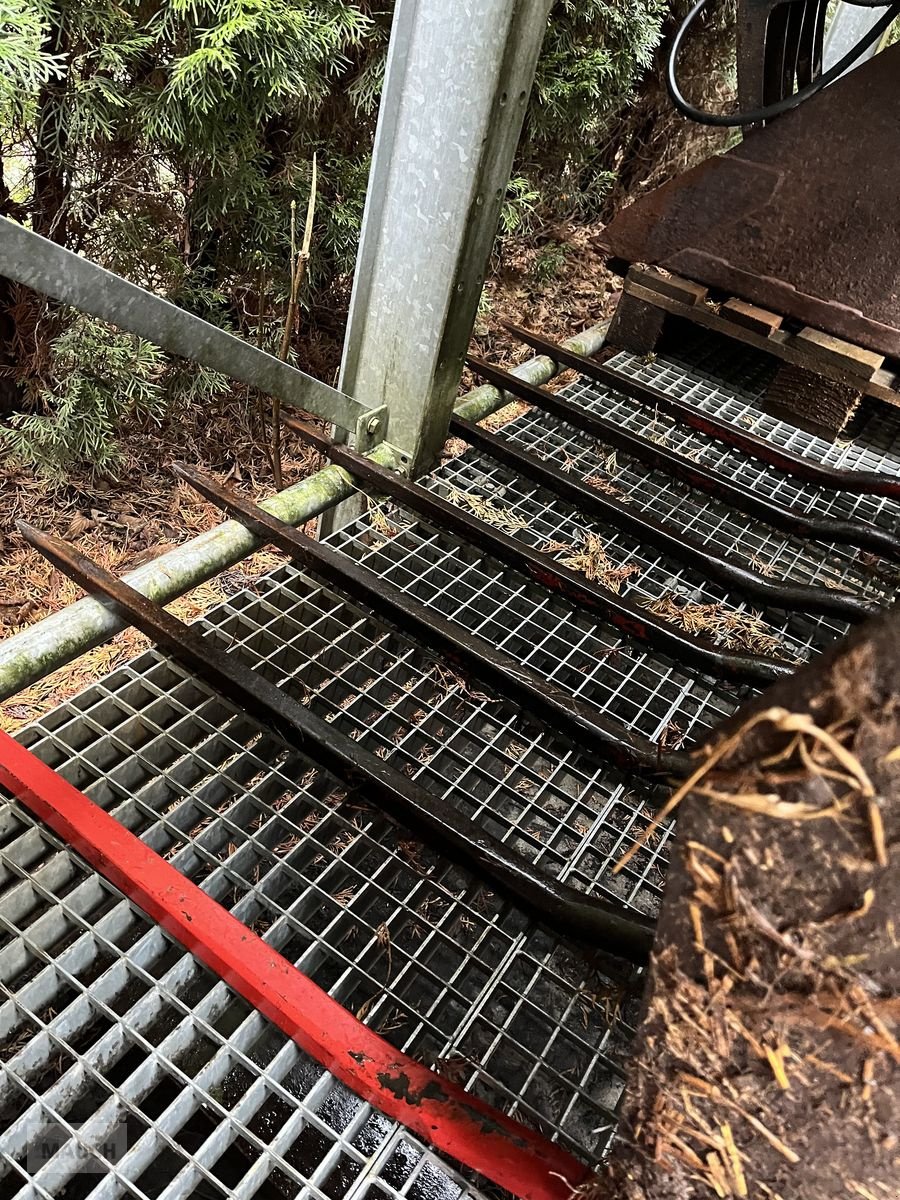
[[822, 378]]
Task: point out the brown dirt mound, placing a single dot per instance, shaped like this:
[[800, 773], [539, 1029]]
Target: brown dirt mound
[[768, 1060]]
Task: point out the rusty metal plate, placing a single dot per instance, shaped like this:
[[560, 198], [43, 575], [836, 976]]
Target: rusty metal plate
[[801, 217]]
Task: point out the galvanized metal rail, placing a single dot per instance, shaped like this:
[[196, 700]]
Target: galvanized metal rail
[[671, 541], [629, 618], [576, 719], [37, 262], [856, 482], [593, 919], [791, 520]]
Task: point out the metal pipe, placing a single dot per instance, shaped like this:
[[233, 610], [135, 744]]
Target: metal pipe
[[64, 635], [670, 539], [579, 720], [627, 617], [486, 399], [593, 919], [49, 644], [676, 466], [62, 274]]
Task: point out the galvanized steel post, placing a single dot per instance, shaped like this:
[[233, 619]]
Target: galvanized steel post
[[457, 85], [849, 25]]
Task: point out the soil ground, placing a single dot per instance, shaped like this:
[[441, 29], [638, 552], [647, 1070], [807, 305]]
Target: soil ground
[[767, 1063], [555, 281]]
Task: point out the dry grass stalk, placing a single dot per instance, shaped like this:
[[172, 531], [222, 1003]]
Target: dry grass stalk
[[776, 1062], [770, 804], [702, 1087], [727, 627], [589, 558], [802, 726], [299, 265]]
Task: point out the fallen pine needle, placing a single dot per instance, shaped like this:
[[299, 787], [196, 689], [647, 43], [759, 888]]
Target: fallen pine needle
[[728, 627], [487, 511], [590, 559]]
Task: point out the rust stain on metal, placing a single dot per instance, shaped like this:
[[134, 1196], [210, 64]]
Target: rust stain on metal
[[400, 1086], [801, 217]]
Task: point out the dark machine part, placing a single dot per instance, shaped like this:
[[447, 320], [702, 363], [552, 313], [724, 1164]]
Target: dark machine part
[[790, 520], [801, 217], [592, 919], [779, 49], [630, 619]]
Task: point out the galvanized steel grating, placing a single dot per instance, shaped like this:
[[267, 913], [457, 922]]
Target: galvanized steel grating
[[107, 1026], [875, 445], [433, 963], [130, 1070]]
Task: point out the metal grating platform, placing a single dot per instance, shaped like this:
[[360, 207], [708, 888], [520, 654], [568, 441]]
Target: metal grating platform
[[113, 1036]]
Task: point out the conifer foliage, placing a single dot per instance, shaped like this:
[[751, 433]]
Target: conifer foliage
[[166, 139]]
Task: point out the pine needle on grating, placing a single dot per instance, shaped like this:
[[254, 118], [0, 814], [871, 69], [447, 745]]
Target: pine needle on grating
[[487, 510], [589, 558], [726, 626], [503, 416], [378, 519]]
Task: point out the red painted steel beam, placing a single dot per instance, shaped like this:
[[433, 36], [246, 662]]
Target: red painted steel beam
[[455, 1123]]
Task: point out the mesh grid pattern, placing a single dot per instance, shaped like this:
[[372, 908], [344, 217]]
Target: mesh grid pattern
[[108, 1030], [709, 520], [437, 964], [876, 447], [131, 1071], [547, 520]]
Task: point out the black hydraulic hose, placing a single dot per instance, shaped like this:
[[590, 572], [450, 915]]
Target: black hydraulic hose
[[766, 113]]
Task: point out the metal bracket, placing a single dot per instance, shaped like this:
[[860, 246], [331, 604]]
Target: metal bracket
[[371, 429]]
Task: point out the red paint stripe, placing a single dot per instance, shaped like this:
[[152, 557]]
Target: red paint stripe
[[459, 1125]]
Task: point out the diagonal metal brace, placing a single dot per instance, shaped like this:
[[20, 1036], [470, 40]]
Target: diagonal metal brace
[[38, 263]]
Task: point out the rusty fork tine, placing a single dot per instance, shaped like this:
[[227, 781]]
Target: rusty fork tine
[[594, 919]]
